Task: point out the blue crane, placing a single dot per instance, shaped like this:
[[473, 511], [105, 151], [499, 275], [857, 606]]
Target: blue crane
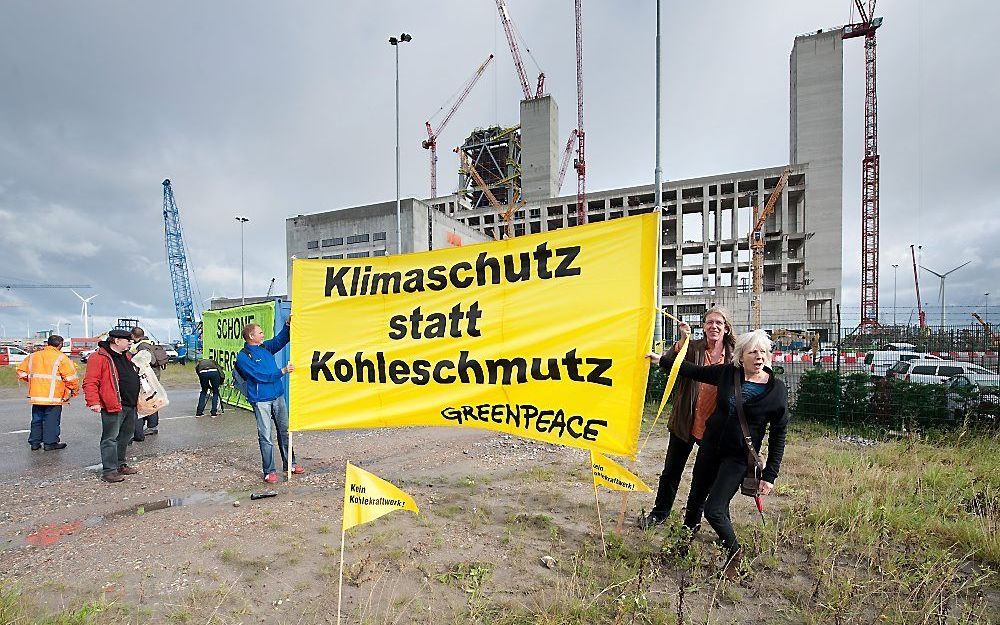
[[190, 326]]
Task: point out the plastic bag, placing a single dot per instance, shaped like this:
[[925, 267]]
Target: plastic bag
[[152, 395]]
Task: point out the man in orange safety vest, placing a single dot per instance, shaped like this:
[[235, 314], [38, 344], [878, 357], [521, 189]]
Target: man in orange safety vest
[[52, 381]]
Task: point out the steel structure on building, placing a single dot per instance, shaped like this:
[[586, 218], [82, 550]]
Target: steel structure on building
[[869, 168], [495, 152]]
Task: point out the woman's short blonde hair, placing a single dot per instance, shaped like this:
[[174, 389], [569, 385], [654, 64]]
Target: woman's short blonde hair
[[749, 341]]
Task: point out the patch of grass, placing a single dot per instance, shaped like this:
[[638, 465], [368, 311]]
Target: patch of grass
[[323, 529]]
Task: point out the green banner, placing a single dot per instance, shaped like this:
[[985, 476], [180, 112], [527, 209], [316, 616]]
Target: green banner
[[223, 337]]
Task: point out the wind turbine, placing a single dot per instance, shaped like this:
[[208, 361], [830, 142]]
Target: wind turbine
[[85, 312], [942, 276]]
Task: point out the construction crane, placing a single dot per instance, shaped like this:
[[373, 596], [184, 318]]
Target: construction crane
[[515, 52], [916, 284], [180, 280], [869, 168], [581, 163], [505, 213], [432, 134], [756, 240], [989, 331], [564, 163]]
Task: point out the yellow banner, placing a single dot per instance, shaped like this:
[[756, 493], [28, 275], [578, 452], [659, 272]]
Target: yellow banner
[[540, 336], [367, 497], [610, 474]]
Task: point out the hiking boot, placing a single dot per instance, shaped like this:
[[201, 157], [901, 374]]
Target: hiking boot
[[55, 446], [297, 469], [127, 470], [113, 477], [732, 570], [651, 520], [150, 432], [271, 478], [36, 446]]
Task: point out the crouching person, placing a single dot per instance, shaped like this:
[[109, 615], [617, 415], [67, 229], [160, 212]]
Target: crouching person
[[266, 393], [111, 388]]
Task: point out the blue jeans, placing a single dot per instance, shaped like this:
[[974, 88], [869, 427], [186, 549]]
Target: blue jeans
[[277, 412], [45, 422]]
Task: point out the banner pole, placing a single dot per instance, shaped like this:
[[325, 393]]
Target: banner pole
[[340, 583], [600, 522]]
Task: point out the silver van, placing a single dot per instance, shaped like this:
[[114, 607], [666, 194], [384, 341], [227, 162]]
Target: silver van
[[933, 371]]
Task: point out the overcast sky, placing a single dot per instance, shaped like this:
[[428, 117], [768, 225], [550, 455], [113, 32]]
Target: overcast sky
[[271, 109]]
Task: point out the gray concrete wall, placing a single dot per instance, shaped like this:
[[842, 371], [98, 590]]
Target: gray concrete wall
[[816, 77], [539, 148], [423, 229]]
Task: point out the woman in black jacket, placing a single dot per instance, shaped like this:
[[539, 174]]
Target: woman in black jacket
[[722, 458]]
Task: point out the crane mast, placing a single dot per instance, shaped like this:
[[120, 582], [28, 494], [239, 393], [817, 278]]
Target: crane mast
[[581, 162], [432, 135], [916, 284], [564, 163], [756, 242], [179, 278], [869, 168]]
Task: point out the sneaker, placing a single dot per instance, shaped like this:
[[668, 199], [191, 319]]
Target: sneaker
[[36, 446], [127, 470], [55, 446], [215, 414], [113, 477], [297, 469], [271, 478], [150, 432], [199, 414], [651, 520]]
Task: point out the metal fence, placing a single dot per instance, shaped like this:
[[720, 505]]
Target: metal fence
[[840, 379]]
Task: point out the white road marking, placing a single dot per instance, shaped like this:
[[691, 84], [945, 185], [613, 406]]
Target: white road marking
[[20, 432]]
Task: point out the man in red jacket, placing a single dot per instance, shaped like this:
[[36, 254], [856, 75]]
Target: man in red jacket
[[111, 388]]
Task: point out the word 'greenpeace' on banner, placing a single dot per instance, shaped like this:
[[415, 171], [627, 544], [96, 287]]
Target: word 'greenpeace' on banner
[[541, 336]]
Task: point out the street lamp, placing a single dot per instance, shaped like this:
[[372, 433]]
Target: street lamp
[[895, 266], [394, 42], [243, 221], [987, 311]]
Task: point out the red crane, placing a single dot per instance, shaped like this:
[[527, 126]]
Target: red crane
[[916, 283], [515, 52], [564, 163], [432, 135], [869, 167], [581, 164]]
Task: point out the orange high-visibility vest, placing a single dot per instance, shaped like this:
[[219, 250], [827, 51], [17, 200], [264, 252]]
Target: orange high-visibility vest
[[51, 376]]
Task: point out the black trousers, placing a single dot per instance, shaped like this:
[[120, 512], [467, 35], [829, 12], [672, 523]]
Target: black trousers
[[678, 453], [714, 483], [209, 380]]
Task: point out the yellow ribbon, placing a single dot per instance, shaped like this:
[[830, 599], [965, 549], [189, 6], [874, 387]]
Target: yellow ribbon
[[671, 381]]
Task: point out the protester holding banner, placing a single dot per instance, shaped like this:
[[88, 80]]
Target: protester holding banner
[[723, 456], [265, 391], [693, 403]]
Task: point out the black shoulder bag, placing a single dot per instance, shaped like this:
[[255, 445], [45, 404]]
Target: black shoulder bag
[[750, 486]]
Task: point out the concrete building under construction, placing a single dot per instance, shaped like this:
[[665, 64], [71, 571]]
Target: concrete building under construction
[[706, 254]]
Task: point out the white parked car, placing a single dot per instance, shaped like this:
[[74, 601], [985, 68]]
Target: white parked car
[[879, 362], [10, 355], [85, 354], [934, 371]]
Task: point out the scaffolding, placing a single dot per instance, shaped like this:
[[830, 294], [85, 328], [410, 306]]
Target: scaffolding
[[495, 152]]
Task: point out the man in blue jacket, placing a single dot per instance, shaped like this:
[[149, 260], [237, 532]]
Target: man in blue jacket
[[265, 391]]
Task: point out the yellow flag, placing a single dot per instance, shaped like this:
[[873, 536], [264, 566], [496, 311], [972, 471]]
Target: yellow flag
[[610, 474], [367, 497]]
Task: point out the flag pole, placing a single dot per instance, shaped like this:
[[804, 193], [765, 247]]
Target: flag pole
[[600, 522], [340, 583]]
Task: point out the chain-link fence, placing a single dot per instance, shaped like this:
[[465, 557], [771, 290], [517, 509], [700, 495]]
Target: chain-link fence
[[892, 380]]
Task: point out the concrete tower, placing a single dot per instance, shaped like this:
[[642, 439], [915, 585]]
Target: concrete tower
[[817, 140], [539, 148]]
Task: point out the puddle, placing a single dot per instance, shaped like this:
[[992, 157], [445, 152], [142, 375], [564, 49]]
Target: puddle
[[196, 498]]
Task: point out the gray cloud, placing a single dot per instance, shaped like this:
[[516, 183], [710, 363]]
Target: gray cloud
[[273, 109]]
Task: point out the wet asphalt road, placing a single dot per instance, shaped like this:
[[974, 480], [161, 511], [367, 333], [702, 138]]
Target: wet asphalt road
[[81, 430]]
